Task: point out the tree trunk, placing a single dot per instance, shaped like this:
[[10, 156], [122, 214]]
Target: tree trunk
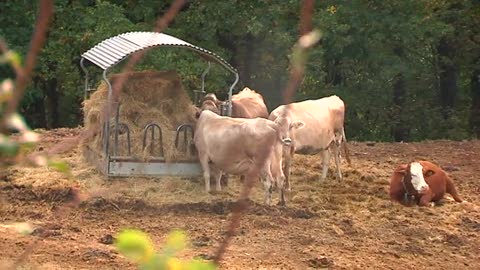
[[475, 108], [249, 59], [39, 114], [400, 129], [333, 75], [51, 104], [448, 77], [37, 117]]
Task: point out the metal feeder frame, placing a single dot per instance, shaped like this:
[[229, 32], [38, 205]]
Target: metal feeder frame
[[108, 53]]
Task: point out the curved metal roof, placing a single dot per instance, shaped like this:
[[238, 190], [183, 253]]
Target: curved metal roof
[[113, 50]]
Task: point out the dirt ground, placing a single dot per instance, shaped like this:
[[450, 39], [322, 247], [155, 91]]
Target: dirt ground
[[349, 224]]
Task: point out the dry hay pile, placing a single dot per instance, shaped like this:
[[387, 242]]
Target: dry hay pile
[[146, 97]]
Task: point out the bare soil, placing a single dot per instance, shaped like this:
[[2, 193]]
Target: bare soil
[[348, 224]]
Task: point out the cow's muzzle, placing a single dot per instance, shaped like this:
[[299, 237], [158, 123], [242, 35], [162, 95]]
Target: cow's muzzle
[[287, 141]]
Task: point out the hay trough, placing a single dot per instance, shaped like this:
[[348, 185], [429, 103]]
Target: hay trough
[[146, 128]]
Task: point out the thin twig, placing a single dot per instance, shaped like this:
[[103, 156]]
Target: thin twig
[[237, 212], [295, 79], [161, 24], [297, 73], [23, 76]]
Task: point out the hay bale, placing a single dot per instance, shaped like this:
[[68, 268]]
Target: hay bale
[[147, 97]]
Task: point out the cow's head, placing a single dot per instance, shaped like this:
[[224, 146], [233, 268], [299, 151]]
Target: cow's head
[[211, 106], [211, 103], [286, 128], [415, 174]]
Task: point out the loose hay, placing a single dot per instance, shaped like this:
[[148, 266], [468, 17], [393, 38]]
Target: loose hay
[[146, 97]]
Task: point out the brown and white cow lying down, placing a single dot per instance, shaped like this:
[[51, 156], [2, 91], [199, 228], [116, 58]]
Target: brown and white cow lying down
[[315, 126], [245, 104], [239, 146], [421, 182]]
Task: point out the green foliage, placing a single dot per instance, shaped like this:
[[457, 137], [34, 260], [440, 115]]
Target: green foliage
[[365, 46], [138, 247]]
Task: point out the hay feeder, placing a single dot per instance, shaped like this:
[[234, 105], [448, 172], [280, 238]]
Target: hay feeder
[[113, 160]]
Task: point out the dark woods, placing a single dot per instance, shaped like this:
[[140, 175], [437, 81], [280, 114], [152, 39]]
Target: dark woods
[[407, 70]]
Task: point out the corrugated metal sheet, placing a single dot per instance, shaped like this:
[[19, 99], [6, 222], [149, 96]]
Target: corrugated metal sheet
[[113, 50]]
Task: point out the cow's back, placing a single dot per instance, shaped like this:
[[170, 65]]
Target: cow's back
[[317, 131], [234, 144], [248, 104], [330, 108], [438, 181]]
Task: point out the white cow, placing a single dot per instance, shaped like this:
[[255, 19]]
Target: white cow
[[240, 146], [315, 126]]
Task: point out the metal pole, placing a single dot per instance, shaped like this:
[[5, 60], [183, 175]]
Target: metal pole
[[107, 116], [204, 74], [115, 145], [86, 76], [229, 109]]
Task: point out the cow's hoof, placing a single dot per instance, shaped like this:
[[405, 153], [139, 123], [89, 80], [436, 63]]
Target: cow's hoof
[[449, 199], [431, 204], [281, 203]]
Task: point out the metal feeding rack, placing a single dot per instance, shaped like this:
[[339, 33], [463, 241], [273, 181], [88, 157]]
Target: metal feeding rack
[[107, 54]]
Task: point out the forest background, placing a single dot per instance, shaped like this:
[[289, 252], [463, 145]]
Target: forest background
[[407, 70]]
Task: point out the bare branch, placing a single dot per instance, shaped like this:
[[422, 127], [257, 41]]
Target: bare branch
[[161, 24], [296, 77], [306, 15], [297, 71]]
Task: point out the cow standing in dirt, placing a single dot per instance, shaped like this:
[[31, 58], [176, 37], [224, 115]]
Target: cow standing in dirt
[[421, 182], [315, 126], [240, 146], [245, 104]]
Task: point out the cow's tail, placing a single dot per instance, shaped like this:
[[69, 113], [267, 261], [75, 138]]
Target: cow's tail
[[345, 148]]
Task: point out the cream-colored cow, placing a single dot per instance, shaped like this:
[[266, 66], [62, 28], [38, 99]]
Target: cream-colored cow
[[240, 146], [315, 126]]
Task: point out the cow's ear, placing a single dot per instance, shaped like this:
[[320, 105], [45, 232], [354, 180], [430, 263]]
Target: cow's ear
[[429, 173], [297, 125]]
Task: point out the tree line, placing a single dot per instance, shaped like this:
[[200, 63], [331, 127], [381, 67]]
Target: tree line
[[407, 70]]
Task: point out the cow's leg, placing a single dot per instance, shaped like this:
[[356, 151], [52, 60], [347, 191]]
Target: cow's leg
[[224, 179], [282, 183], [286, 168], [267, 185], [345, 147], [325, 161], [336, 154], [426, 200], [267, 179], [217, 175], [206, 172]]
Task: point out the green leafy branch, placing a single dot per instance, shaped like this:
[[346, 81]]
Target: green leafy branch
[[138, 247]]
